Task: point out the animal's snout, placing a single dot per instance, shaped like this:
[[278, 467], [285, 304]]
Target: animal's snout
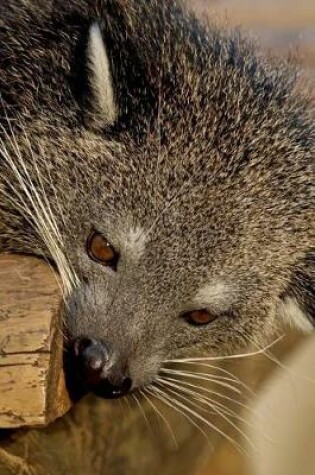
[[97, 371], [92, 357]]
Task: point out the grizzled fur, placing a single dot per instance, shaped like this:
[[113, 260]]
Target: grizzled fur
[[204, 181]]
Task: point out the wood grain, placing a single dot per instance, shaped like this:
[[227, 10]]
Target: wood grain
[[32, 388]]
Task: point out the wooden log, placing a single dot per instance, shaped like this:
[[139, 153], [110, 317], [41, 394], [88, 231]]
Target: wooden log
[[32, 386]]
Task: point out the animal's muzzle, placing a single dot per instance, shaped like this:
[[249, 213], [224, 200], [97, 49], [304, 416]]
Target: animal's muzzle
[[96, 371]]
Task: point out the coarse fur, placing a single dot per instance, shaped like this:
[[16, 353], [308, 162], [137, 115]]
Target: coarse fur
[[188, 149]]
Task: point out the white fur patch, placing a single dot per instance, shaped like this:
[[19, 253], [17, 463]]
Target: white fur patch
[[133, 241], [218, 296], [101, 78], [292, 314]]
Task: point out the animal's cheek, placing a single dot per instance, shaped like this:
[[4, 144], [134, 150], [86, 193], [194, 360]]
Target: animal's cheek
[[144, 370], [83, 311], [79, 322]]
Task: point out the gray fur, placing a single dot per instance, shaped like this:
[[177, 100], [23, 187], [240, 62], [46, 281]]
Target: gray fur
[[211, 157]]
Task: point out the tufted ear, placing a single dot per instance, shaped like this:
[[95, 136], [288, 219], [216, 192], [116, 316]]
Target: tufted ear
[[294, 315], [297, 305], [103, 111]]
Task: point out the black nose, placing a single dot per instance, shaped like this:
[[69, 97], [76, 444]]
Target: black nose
[[96, 370]]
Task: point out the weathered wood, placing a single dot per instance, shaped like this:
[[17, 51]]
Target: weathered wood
[[32, 388]]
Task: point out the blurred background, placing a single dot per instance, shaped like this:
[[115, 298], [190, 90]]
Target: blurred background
[[283, 421], [280, 25]]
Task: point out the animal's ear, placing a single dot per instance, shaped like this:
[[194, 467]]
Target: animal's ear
[[297, 304], [295, 315], [103, 110]]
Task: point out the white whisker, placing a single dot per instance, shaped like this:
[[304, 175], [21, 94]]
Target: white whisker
[[228, 357], [202, 419], [163, 418], [141, 411], [170, 401], [202, 377], [35, 208], [215, 406], [215, 393], [214, 377], [230, 376]]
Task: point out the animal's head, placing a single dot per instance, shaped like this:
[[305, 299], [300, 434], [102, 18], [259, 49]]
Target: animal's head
[[176, 227]]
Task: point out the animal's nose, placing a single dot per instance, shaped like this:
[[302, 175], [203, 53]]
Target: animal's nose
[[96, 370], [91, 358]]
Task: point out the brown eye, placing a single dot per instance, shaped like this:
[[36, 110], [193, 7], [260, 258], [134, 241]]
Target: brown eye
[[199, 317], [101, 251]]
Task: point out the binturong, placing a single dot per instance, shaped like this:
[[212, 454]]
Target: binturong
[[164, 167]]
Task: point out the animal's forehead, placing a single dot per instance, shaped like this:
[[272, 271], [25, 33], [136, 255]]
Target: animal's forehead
[[133, 240], [216, 293], [182, 251]]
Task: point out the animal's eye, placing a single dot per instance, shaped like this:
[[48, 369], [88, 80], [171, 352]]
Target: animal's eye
[[199, 317], [101, 251]]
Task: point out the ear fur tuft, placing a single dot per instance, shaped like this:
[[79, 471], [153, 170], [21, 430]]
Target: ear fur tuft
[[103, 108], [292, 314]]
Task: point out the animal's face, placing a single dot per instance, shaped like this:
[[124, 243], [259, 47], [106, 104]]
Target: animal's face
[[177, 242], [165, 264]]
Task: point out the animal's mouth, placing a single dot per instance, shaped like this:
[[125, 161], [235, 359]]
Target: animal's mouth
[[106, 390]]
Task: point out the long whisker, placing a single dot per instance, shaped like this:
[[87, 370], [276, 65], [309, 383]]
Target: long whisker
[[215, 393], [213, 376], [159, 413], [39, 212], [128, 403], [273, 358], [71, 275], [170, 401], [202, 377], [202, 419], [228, 357], [230, 376], [37, 207], [220, 395], [142, 411], [214, 406]]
